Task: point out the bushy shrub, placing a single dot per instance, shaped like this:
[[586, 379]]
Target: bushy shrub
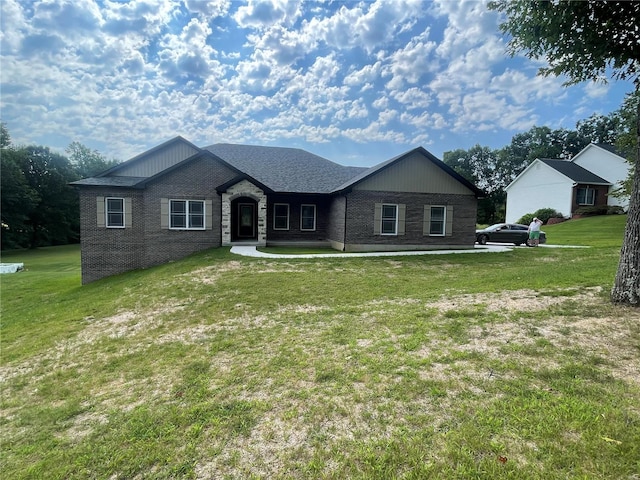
[[615, 210], [592, 210], [543, 214]]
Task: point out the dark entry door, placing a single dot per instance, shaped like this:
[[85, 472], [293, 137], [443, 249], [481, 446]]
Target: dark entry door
[[246, 220]]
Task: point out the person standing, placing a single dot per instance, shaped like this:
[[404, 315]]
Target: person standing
[[534, 232]]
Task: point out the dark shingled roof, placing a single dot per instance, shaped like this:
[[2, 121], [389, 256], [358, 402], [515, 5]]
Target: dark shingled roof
[[609, 148], [574, 172], [290, 170]]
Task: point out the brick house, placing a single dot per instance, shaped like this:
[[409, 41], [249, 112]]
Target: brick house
[[177, 199]]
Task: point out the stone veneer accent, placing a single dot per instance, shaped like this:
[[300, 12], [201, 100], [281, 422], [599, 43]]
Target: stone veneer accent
[[244, 188]]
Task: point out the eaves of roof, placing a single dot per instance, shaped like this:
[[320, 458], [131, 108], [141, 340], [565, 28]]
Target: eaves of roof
[[114, 181]]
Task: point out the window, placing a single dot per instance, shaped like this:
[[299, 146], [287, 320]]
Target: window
[[308, 217], [437, 222], [586, 196], [389, 220], [186, 214], [114, 212], [281, 216]]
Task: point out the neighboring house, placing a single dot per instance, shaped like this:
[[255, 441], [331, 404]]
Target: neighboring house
[[176, 199], [566, 185]]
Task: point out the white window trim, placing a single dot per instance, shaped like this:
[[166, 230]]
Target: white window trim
[[106, 212], [314, 217], [274, 216], [188, 217], [382, 219], [444, 221]]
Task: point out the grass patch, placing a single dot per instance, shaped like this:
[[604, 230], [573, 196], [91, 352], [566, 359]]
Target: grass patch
[[502, 366], [598, 231]]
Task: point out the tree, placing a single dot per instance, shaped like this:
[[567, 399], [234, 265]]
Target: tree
[[627, 140], [18, 200], [600, 128], [87, 162], [480, 165], [5, 139], [585, 41]]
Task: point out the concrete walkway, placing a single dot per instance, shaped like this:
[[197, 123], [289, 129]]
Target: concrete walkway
[[251, 251]]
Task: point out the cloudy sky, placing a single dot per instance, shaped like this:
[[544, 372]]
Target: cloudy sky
[[356, 82]]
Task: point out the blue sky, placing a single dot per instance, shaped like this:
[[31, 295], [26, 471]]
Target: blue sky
[[356, 82]]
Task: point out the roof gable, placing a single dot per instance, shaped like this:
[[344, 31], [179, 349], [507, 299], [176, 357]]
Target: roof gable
[[155, 160], [424, 155]]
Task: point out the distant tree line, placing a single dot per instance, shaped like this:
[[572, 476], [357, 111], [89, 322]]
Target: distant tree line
[[38, 207], [493, 170]]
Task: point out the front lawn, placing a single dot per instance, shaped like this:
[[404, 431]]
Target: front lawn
[[495, 365]]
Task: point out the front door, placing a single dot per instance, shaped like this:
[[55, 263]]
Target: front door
[[246, 220]]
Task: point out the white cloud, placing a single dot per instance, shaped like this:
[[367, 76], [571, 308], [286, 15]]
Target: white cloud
[[596, 90], [124, 76], [209, 8], [262, 14], [410, 63]]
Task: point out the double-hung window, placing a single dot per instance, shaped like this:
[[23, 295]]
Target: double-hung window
[[281, 216], [114, 212], [186, 214], [389, 220], [308, 217], [586, 196], [437, 221]]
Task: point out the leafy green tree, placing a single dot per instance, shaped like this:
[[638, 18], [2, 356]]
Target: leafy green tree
[[587, 41], [18, 200], [627, 140], [53, 216], [481, 166], [87, 162], [5, 138], [600, 128], [55, 220]]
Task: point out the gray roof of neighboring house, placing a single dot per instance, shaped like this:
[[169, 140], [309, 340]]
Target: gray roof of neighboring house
[[574, 172], [290, 170], [609, 148]]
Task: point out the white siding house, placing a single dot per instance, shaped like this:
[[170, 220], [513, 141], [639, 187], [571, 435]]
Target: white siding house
[[565, 185], [604, 162], [538, 186]]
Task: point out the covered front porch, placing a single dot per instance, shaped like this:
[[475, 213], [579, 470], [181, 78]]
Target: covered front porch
[[244, 215]]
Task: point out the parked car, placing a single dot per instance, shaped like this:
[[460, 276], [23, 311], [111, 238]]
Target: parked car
[[506, 233]]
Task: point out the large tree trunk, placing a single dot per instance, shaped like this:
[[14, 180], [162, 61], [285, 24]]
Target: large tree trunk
[[626, 288]]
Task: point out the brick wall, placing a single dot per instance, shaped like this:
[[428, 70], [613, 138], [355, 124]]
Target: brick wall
[[335, 230], [107, 251], [295, 233], [360, 219]]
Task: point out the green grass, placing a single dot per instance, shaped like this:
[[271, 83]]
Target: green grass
[[599, 231], [499, 366]]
